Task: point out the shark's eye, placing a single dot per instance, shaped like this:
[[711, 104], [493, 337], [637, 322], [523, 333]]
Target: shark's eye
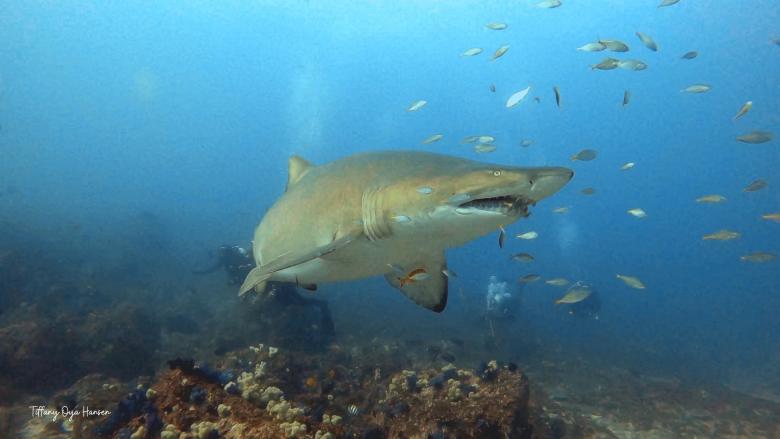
[[497, 172]]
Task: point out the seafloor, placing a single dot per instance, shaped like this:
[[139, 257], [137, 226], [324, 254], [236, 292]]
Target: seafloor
[[163, 371]]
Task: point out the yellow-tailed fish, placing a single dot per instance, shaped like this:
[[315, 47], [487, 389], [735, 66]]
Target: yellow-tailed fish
[[575, 294], [626, 97], [557, 93], [690, 55], [496, 26], [697, 88], [433, 138], [557, 282], [517, 97], [714, 198], [631, 281], [499, 53], [756, 137], [483, 148], [637, 212], [627, 166], [647, 41], [771, 217], [527, 235], [416, 105], [615, 45], [561, 210], [522, 257], [592, 47], [721, 235], [668, 3], [606, 64], [585, 155], [759, 257], [549, 4], [743, 111], [528, 278], [756, 185], [472, 52]]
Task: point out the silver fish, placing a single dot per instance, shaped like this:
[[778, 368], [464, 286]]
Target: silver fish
[[647, 41]]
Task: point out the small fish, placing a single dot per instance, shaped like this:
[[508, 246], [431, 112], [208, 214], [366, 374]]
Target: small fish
[[415, 275], [525, 143], [486, 139], [756, 137], [615, 45], [483, 148], [522, 257], [585, 155], [575, 294], [606, 64], [626, 97], [501, 236], [353, 410], [472, 52], [425, 190], [561, 210], [647, 41], [627, 166], [588, 191], [631, 281], [697, 88], [493, 88], [715, 198], [668, 3], [537, 99], [401, 219], [632, 64], [549, 4], [756, 186], [449, 273], [517, 97], [557, 93], [528, 278], [772, 217], [496, 26], [416, 105], [557, 282], [637, 212], [527, 235], [721, 235], [592, 47], [470, 139], [775, 41], [743, 111], [500, 51], [433, 138], [690, 55], [759, 257]]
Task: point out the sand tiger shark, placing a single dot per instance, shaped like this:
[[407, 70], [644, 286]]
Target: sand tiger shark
[[390, 213]]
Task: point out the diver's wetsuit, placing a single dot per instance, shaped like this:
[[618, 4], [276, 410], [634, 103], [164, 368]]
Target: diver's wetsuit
[[238, 262]]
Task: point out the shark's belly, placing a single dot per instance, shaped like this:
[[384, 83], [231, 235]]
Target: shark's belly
[[359, 260]]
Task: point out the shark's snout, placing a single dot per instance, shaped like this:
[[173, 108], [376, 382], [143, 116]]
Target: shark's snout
[[548, 181]]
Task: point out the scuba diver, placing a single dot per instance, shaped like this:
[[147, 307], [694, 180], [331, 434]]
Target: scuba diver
[[501, 307], [236, 261], [281, 303]]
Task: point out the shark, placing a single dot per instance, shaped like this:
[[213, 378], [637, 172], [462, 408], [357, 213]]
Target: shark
[[391, 214]]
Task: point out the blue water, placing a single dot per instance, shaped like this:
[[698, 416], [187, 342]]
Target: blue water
[[189, 111]]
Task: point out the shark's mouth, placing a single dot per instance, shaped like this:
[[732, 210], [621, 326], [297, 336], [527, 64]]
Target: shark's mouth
[[505, 204]]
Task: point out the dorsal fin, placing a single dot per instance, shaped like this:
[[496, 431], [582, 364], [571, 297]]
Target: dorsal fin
[[297, 168]]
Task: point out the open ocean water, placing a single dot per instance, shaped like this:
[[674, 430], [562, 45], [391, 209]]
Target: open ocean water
[[142, 143]]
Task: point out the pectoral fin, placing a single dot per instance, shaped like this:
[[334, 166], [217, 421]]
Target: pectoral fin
[[259, 275], [254, 280], [430, 292]]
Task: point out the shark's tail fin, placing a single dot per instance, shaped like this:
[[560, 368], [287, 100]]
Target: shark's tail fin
[[256, 279]]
